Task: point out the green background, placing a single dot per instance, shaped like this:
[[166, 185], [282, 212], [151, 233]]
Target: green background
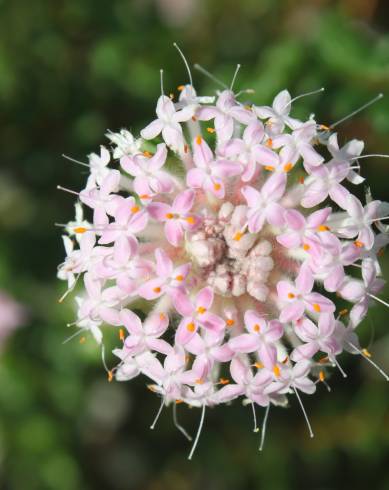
[[70, 69]]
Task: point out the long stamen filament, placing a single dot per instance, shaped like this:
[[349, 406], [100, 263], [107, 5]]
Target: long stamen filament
[[198, 433], [304, 412]]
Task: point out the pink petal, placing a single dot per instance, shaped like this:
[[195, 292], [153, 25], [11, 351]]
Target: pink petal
[[174, 232], [292, 311], [239, 370], [183, 333], [244, 343], [152, 130], [183, 203], [151, 289], [164, 266], [159, 210], [195, 178], [304, 280], [131, 321], [204, 298]]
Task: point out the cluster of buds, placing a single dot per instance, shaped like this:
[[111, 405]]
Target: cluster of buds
[[236, 226]]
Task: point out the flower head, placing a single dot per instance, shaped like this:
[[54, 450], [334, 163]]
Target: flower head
[[230, 256]]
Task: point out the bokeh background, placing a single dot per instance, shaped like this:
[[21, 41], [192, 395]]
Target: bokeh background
[[71, 69]]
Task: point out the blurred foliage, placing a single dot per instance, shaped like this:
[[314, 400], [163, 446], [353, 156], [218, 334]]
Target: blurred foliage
[[70, 69]]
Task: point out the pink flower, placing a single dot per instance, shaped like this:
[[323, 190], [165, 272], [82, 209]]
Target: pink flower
[[263, 205], [278, 115], [298, 297], [209, 173], [196, 314], [177, 216]]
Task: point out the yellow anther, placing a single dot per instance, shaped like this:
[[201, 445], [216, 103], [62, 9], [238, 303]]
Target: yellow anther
[[288, 167], [366, 353], [169, 215], [80, 229], [322, 376], [180, 277], [291, 295], [238, 235], [82, 340], [147, 154], [316, 307], [190, 220], [359, 244], [217, 187], [343, 312], [121, 334], [201, 310], [230, 322], [270, 168], [180, 88], [224, 381], [162, 317], [306, 247], [256, 328], [199, 140], [157, 290], [135, 209], [323, 228], [110, 376], [191, 327], [199, 381], [269, 143], [259, 365], [277, 371], [211, 130]]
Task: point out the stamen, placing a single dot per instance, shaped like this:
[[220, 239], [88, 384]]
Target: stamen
[[161, 77], [339, 367], [224, 381], [277, 371], [304, 412], [121, 334], [359, 244], [306, 247], [110, 376], [238, 235], [322, 376], [366, 355], [135, 209], [80, 229], [199, 139], [352, 114], [316, 307], [157, 290], [162, 317], [234, 77], [269, 143], [291, 295], [75, 161], [180, 88], [70, 191], [169, 215], [209, 75], [201, 310], [303, 95], [323, 228], [190, 220], [378, 299], [217, 187], [379, 155], [177, 425], [269, 168], [152, 426], [211, 130], [147, 154], [259, 365], [288, 167], [185, 63], [264, 425], [256, 429], [230, 322], [180, 277], [198, 433]]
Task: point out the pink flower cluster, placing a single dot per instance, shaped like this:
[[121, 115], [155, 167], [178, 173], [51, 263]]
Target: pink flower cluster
[[234, 228]]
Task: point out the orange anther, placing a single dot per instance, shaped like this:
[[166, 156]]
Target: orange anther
[[270, 168], [316, 307], [147, 154], [230, 322], [135, 209], [211, 130], [144, 196], [291, 295], [323, 228], [180, 88], [121, 334], [110, 376], [259, 365], [217, 187], [277, 371], [157, 290], [194, 118], [224, 381], [325, 127], [343, 312], [191, 327], [322, 376], [169, 215], [288, 167], [269, 143], [366, 353], [162, 317], [306, 247], [80, 229], [301, 180], [256, 328], [238, 235], [190, 220], [199, 139], [180, 277], [179, 401], [186, 148], [199, 381], [359, 244], [201, 310]]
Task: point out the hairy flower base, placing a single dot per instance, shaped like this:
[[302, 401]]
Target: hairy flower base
[[240, 259]]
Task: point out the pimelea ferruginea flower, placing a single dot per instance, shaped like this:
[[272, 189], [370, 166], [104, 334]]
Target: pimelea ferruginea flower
[[238, 226]]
